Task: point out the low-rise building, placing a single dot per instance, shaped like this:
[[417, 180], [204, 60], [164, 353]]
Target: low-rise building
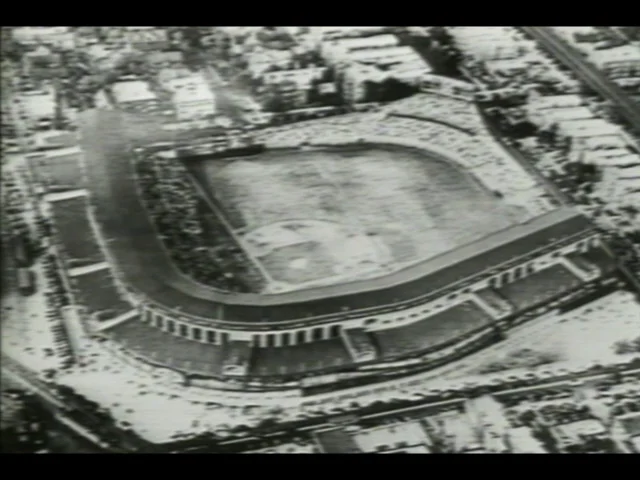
[[521, 440], [548, 116], [626, 432], [133, 93], [622, 61], [576, 433], [192, 98], [302, 76], [587, 128], [61, 37], [490, 43], [38, 105]]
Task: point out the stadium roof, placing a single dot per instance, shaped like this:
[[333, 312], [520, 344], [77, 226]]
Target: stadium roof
[[140, 256]]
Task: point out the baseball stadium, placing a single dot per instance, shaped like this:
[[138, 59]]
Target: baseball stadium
[[366, 244]]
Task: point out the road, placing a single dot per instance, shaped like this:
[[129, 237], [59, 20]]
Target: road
[[587, 72], [415, 411]]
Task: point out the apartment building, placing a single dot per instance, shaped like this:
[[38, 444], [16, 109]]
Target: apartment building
[[491, 43], [61, 37], [622, 61], [192, 98]]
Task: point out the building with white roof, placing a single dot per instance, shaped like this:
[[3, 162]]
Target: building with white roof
[[261, 60], [192, 97], [547, 116], [521, 440], [603, 142], [134, 91], [330, 33], [587, 128], [536, 101], [622, 61], [617, 157], [490, 43], [37, 105], [337, 49], [58, 36], [392, 437], [301, 76], [619, 182]]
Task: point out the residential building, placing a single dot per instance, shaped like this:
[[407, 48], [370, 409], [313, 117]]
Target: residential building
[[302, 77], [625, 431], [393, 438], [521, 440], [587, 128], [576, 433], [618, 182], [192, 97], [34, 106], [133, 93], [165, 59], [622, 61], [321, 34], [261, 60], [617, 157], [147, 38], [61, 37], [491, 43]]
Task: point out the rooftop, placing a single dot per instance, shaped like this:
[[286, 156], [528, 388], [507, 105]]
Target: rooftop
[[193, 93], [133, 91]]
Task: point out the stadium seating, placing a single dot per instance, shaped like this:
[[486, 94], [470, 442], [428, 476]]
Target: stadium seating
[[197, 240], [59, 173], [97, 292], [336, 441], [438, 329], [156, 346], [495, 301], [539, 287], [319, 355], [75, 233], [460, 113]]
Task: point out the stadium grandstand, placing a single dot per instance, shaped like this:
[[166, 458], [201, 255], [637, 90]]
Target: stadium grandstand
[[196, 258]]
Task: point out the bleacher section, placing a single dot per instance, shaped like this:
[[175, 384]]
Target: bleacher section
[[359, 345], [79, 245], [58, 173], [319, 355], [97, 292], [152, 344], [495, 302], [539, 287], [600, 258], [336, 441], [588, 268], [445, 326]]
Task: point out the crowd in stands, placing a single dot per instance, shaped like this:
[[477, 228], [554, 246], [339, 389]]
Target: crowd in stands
[[198, 243]]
